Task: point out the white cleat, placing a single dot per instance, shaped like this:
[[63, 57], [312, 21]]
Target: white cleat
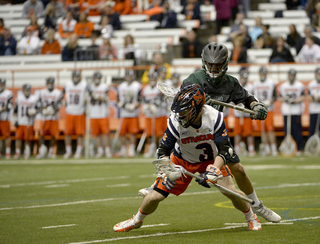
[[254, 223], [266, 213], [67, 155], [108, 153], [127, 225], [77, 155], [99, 155]]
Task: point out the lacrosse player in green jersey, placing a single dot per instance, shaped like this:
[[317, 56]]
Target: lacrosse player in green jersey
[[218, 85]]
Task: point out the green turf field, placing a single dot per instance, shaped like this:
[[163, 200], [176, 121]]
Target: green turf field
[[79, 201]]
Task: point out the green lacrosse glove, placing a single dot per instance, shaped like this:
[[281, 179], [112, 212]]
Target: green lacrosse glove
[[260, 111]]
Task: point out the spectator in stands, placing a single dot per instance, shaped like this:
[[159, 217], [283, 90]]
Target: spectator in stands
[[123, 7], [104, 26], [1, 26], [168, 17], [310, 52], [265, 40], [29, 44], [235, 28], [302, 40], [31, 7], [66, 27], [7, 43], [94, 7], [234, 9], [130, 50], [113, 16], [84, 27], [154, 8], [68, 51], [223, 9], [191, 10], [107, 51], [239, 52], [157, 62], [75, 7], [191, 45], [92, 52], [293, 37], [50, 20], [37, 31], [57, 8], [280, 53], [310, 7], [51, 46], [243, 33], [293, 4], [256, 30], [315, 18]]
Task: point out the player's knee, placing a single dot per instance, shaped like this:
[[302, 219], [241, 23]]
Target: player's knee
[[155, 197]]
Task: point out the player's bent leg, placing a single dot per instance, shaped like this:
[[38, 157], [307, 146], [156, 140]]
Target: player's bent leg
[[145, 191]]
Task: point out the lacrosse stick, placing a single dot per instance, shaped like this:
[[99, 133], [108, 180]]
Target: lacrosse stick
[[288, 146], [141, 142], [312, 147], [170, 93], [116, 136], [169, 168], [262, 146]]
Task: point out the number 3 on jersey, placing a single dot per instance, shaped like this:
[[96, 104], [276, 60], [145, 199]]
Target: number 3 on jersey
[[207, 152]]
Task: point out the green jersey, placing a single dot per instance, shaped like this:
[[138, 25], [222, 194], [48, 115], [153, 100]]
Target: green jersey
[[227, 90]]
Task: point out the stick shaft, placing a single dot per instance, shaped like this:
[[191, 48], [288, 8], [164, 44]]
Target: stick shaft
[[245, 110]]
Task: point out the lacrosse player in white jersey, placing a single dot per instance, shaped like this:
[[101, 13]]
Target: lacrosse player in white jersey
[[314, 98], [292, 98], [50, 99], [6, 106], [75, 94], [194, 131], [129, 95], [152, 101], [26, 109], [243, 124], [265, 90], [99, 113]]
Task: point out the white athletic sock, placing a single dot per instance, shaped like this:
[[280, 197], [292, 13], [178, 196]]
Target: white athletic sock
[[253, 196], [50, 150], [18, 151], [237, 148], [274, 147], [100, 150], [79, 149], [251, 148], [267, 148], [107, 150], [123, 149], [68, 149], [249, 213], [8, 150], [140, 216]]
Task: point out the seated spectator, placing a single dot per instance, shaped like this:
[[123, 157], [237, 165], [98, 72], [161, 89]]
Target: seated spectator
[[157, 63], [243, 33], [51, 46], [113, 16], [70, 50], [50, 20], [1, 26], [168, 17], [302, 40], [57, 8], [31, 7], [29, 44], [66, 27], [280, 53], [7, 43], [84, 27], [123, 7], [75, 7], [235, 28], [154, 8], [93, 7], [223, 9], [191, 46], [92, 51], [265, 40], [256, 30], [310, 52], [239, 52], [130, 50], [37, 31], [293, 37], [191, 10], [106, 50], [293, 4], [104, 27], [315, 18]]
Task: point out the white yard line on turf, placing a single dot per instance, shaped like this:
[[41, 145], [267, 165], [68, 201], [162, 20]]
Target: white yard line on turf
[[148, 226], [118, 185], [55, 186], [57, 226], [240, 225], [65, 181]]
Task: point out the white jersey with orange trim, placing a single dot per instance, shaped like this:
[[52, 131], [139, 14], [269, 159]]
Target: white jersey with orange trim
[[196, 144], [152, 95], [98, 109], [50, 98], [265, 90], [76, 97], [295, 91], [24, 104], [129, 93], [6, 97], [239, 114], [313, 89]]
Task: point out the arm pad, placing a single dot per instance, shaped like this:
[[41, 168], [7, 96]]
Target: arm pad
[[227, 153], [163, 151]]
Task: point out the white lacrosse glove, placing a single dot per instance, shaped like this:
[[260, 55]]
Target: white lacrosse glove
[[289, 100], [267, 103], [95, 96], [120, 104], [45, 112], [130, 107], [210, 177], [153, 109], [145, 108], [316, 97], [32, 111], [50, 110]]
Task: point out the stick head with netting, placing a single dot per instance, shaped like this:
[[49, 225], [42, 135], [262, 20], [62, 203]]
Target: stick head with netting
[[173, 171]]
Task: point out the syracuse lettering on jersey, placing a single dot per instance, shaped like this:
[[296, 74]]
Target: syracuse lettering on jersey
[[192, 139]]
